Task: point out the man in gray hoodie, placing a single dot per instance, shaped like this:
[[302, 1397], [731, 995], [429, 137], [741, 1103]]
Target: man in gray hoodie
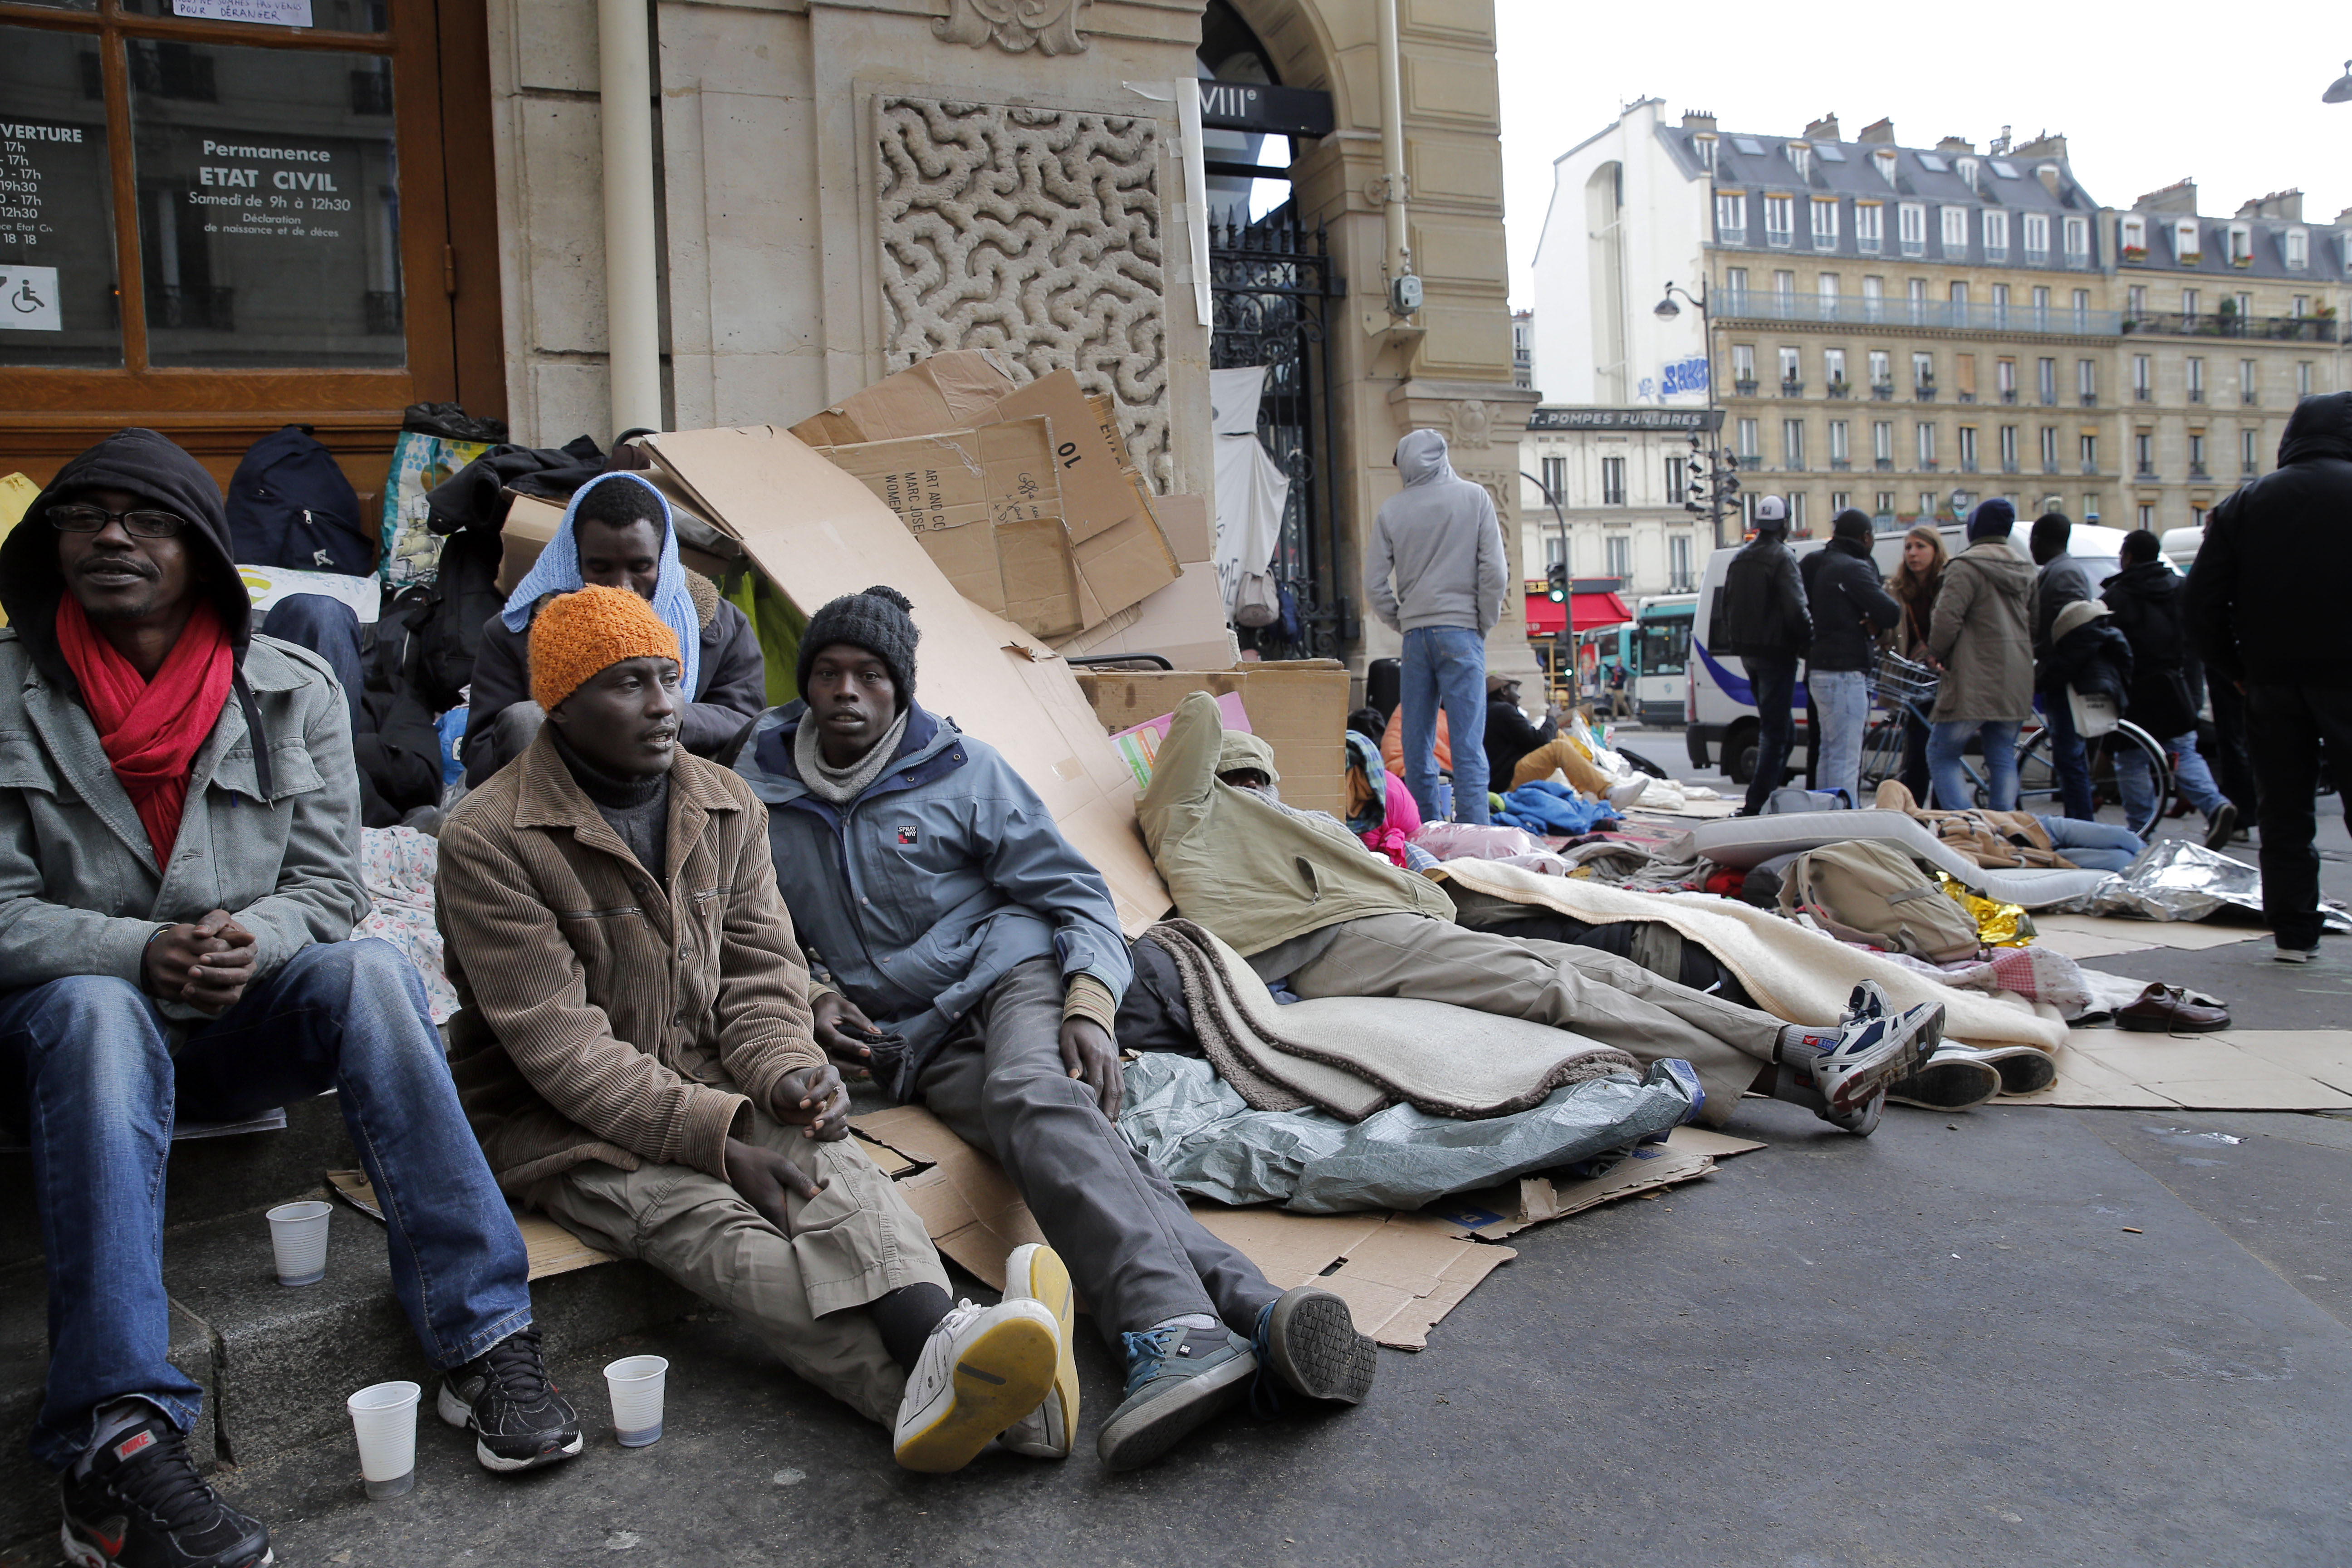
[[1441, 541]]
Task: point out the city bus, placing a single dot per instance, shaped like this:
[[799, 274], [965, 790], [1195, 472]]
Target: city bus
[[1661, 659]]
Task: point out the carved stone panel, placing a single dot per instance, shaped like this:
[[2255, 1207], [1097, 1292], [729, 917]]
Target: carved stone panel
[[1036, 233], [1049, 26]]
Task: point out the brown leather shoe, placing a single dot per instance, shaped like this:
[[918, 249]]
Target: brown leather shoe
[[2166, 1010]]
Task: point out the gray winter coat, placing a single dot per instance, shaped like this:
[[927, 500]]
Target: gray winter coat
[[1983, 636], [924, 890], [2063, 581], [80, 890], [1440, 539]]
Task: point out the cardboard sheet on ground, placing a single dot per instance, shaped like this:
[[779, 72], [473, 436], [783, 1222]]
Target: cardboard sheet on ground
[[1399, 1273], [817, 533], [550, 1248], [1494, 1213], [2102, 936], [2235, 1069]]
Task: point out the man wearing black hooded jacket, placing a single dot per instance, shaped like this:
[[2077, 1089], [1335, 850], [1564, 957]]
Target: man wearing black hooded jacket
[[179, 848], [1849, 606], [2265, 607]]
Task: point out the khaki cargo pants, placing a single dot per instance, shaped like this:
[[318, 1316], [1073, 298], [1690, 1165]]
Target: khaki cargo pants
[[1596, 994], [798, 1289]]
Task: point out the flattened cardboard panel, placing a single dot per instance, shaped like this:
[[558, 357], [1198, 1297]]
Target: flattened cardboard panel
[[1299, 708], [1041, 581], [817, 533], [2252, 1069], [941, 393], [550, 1248], [1095, 495], [1185, 521], [1121, 565]]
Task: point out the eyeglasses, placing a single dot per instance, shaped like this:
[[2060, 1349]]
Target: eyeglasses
[[139, 522]]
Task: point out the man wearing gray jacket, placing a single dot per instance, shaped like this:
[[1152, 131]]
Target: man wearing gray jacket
[[179, 866], [1440, 540]]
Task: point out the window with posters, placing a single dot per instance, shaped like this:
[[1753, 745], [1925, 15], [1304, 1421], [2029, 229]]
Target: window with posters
[[282, 189]]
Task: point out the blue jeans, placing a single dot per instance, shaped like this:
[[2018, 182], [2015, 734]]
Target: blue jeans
[[2068, 760], [1947, 739], [88, 1079], [2137, 780], [1841, 704], [328, 628], [1445, 666], [2096, 846]]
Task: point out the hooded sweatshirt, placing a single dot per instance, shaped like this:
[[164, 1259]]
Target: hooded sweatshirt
[[1439, 538], [2266, 598]]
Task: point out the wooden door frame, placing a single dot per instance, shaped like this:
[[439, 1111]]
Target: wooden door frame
[[451, 309]]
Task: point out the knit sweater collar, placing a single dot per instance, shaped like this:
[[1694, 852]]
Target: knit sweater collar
[[608, 789], [839, 786]]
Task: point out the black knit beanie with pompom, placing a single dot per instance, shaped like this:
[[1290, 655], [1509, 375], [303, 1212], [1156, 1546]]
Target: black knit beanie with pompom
[[878, 620]]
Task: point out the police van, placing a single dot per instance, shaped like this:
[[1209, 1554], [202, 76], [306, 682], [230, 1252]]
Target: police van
[[1719, 718]]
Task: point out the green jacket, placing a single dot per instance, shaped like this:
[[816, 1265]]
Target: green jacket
[[1256, 873]]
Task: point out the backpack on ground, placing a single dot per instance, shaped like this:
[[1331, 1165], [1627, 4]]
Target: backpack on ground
[[290, 505], [1861, 891]]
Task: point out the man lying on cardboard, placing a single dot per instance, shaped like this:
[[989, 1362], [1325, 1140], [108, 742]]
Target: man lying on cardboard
[[935, 887], [1297, 895], [634, 1053]]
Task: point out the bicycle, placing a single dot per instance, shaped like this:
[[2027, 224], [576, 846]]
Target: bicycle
[[1907, 689]]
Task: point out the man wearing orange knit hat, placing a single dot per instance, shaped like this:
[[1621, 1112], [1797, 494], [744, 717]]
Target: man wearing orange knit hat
[[635, 1051]]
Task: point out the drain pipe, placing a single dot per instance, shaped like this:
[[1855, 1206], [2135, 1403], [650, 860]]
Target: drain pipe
[[1404, 289], [631, 304]]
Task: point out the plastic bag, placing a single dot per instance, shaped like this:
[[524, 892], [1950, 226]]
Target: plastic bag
[[1998, 924], [1474, 841]]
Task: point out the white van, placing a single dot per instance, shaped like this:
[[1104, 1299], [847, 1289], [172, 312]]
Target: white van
[[1718, 710]]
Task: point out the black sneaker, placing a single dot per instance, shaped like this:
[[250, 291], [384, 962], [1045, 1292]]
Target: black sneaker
[[142, 1505], [1177, 1378], [519, 1418], [1308, 1340]]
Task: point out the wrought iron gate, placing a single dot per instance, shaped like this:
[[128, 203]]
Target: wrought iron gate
[[1273, 284]]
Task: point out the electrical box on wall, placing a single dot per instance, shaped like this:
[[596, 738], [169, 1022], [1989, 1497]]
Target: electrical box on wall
[[1405, 295]]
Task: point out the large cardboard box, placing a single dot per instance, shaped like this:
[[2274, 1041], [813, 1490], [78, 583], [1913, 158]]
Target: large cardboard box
[[1184, 622], [946, 392], [987, 506], [1298, 707], [817, 533]]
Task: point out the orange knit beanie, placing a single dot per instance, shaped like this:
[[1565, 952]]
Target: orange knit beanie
[[576, 636]]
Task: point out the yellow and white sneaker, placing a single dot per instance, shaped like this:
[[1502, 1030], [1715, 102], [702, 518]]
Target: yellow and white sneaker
[[983, 1369], [1036, 1272]]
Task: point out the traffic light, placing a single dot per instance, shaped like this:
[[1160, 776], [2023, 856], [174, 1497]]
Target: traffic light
[[1556, 579]]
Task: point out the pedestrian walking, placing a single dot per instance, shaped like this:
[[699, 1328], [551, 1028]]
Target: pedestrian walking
[[2265, 605], [1439, 540], [1914, 585], [1850, 607], [1761, 614], [1983, 638], [2061, 581], [2144, 597]]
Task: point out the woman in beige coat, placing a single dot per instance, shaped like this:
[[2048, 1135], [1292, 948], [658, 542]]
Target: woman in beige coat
[[1981, 636]]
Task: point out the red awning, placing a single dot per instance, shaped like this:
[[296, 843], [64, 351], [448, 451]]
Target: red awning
[[1545, 618], [1593, 611]]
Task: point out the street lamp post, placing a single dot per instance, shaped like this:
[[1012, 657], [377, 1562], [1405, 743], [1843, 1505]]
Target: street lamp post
[[1717, 470]]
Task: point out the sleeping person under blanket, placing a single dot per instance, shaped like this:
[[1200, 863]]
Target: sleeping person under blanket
[[1297, 895]]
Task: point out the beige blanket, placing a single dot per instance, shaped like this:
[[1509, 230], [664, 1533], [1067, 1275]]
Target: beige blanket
[[1793, 972]]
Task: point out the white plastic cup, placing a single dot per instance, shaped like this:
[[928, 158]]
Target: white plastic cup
[[299, 1234], [383, 1416], [636, 1382]]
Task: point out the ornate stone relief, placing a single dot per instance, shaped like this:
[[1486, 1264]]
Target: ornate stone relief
[[1049, 26], [1035, 233], [1474, 426]]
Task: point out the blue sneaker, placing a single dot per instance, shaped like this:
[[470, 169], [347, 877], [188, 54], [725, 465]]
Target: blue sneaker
[[1177, 1378], [1307, 1339]]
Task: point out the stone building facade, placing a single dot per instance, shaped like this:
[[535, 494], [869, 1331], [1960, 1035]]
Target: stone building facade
[[804, 195], [1622, 479], [1910, 329]]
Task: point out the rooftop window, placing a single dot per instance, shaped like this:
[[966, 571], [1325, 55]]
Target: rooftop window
[[2006, 170], [1933, 164], [1830, 153], [1749, 145]]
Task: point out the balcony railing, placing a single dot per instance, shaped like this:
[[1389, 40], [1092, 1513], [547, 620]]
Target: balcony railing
[[2249, 469], [1966, 396], [1927, 465], [2247, 399], [1746, 388], [1967, 465], [1841, 465], [2198, 476], [1924, 391], [1792, 389], [2009, 465], [2216, 324], [2090, 399], [1856, 311], [2049, 465], [2091, 470], [1751, 459], [1884, 465], [1883, 391], [1836, 389], [2196, 395], [2142, 394]]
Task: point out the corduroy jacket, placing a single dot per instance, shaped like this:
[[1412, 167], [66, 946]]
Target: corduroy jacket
[[604, 1016]]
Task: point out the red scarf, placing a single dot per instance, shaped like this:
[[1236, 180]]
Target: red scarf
[[151, 729]]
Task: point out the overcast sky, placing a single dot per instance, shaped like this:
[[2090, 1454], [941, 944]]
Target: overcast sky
[[2144, 95]]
